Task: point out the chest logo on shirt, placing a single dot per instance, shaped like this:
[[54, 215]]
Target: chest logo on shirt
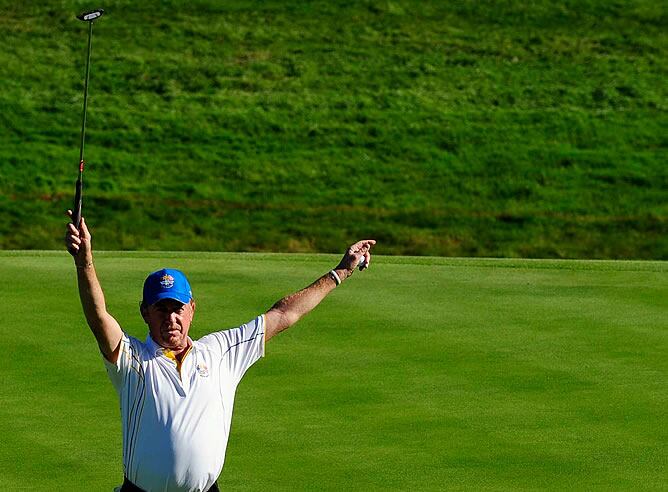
[[202, 370], [167, 281]]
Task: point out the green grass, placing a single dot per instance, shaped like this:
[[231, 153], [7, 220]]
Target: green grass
[[420, 374], [470, 128]]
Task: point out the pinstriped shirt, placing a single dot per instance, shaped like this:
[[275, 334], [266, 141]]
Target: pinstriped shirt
[[176, 419]]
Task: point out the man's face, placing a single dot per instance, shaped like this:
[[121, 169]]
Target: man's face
[[169, 322]]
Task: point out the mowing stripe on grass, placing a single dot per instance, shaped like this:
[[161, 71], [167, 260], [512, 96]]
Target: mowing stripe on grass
[[421, 374]]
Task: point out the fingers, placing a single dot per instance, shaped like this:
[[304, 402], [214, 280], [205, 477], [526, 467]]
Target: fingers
[[74, 237], [72, 240], [74, 245], [71, 228], [69, 214], [84, 228], [361, 246], [367, 261], [361, 251]]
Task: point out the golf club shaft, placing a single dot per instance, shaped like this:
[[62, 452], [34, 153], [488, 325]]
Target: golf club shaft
[[85, 99], [76, 211]]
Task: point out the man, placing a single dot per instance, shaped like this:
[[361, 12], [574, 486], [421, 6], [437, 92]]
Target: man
[[176, 394]]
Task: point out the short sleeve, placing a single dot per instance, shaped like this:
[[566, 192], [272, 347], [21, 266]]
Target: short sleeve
[[128, 361], [238, 348]]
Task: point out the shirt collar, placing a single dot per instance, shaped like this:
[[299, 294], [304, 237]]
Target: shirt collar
[[157, 349]]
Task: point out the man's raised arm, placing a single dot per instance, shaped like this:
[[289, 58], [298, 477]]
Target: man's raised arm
[[290, 309], [106, 329]]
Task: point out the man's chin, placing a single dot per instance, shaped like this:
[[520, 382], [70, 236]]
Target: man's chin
[[173, 341]]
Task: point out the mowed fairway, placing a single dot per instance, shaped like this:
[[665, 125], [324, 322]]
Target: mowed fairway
[[420, 374]]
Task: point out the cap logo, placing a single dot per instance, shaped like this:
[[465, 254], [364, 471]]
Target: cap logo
[[167, 281]]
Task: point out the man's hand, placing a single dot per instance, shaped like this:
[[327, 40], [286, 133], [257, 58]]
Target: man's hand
[[352, 257], [78, 243], [290, 309]]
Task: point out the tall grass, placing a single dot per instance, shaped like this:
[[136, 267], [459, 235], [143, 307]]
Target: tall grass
[[441, 128]]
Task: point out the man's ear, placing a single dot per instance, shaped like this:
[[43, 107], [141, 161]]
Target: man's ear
[[193, 305], [143, 309]]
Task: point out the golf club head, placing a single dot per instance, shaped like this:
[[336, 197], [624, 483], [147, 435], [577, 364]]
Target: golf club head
[[90, 15]]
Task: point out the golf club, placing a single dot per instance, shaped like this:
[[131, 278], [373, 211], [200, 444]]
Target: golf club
[[76, 210]]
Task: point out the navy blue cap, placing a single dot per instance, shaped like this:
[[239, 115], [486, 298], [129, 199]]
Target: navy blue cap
[[167, 284]]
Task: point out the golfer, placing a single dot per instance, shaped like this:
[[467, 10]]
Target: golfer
[[176, 393]]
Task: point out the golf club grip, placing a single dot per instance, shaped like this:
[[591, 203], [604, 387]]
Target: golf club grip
[[76, 210]]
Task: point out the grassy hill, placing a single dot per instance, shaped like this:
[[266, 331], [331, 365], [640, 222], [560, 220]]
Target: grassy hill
[[480, 128], [420, 374]]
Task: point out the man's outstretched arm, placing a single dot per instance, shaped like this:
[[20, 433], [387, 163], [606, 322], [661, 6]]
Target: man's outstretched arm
[[106, 329], [290, 309]]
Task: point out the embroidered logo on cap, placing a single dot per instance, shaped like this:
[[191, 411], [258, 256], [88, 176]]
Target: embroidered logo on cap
[[167, 281]]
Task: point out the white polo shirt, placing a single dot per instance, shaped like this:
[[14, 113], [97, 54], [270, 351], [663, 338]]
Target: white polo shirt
[[176, 420]]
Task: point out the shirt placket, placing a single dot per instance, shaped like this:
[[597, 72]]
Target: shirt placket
[[179, 377]]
